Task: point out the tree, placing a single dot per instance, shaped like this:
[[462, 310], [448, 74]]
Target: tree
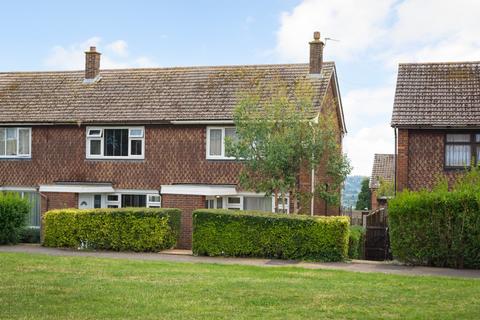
[[386, 189], [364, 200], [279, 134]]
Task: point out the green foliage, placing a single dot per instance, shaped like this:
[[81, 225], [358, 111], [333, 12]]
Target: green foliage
[[364, 197], [267, 235], [356, 241], [280, 134], [13, 217], [135, 229], [386, 189], [439, 227], [30, 235]]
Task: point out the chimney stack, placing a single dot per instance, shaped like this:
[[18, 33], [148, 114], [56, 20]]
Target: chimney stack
[[92, 64], [316, 54]]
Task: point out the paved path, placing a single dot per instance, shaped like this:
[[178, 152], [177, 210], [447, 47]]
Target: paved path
[[183, 256]]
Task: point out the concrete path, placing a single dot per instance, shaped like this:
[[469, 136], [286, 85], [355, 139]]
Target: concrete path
[[185, 256]]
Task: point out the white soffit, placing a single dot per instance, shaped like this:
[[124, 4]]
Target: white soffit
[[77, 188], [199, 190]]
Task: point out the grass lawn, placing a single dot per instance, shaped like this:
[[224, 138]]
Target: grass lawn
[[46, 287]]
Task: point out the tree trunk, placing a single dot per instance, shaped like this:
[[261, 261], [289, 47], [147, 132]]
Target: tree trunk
[[276, 201]]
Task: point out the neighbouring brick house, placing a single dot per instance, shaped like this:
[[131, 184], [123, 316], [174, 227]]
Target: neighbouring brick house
[[436, 117], [383, 171], [140, 137]]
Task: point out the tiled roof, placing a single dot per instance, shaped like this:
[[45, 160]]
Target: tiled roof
[[437, 95], [383, 169], [141, 95]]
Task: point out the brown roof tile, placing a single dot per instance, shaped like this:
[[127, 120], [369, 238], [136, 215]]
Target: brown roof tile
[[383, 169], [437, 95], [140, 95]]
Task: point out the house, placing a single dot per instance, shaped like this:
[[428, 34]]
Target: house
[[383, 172], [141, 137], [436, 118]]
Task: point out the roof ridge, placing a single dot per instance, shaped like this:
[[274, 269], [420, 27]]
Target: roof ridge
[[204, 67], [438, 63]]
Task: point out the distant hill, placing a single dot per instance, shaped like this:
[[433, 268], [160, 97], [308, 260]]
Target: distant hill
[[350, 190]]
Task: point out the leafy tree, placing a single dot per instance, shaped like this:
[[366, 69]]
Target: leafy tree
[[364, 197], [280, 134], [386, 189]]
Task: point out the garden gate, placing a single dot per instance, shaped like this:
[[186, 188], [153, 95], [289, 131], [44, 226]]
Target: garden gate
[[377, 242]]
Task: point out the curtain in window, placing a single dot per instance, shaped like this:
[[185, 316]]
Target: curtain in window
[[258, 203], [215, 142], [24, 141], [11, 141], [2, 141], [457, 155]]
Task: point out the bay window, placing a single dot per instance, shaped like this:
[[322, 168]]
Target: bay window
[[15, 142], [115, 143]]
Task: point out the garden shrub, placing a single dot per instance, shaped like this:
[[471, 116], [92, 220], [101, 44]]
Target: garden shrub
[[438, 228], [356, 242], [133, 229], [13, 217], [268, 235]]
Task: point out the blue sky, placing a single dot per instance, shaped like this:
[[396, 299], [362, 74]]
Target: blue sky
[[375, 35]]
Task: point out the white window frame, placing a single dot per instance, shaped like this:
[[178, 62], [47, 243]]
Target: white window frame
[[154, 203], [18, 155], [222, 156], [101, 138], [236, 206], [117, 203], [281, 208]]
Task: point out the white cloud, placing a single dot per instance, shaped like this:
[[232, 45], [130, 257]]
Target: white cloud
[[357, 24], [363, 144], [115, 56]]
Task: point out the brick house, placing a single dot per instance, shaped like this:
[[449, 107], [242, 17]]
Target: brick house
[[383, 170], [436, 118], [140, 137]]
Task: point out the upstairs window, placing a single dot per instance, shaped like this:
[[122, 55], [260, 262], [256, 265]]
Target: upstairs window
[[458, 149], [15, 142], [216, 142], [115, 143]]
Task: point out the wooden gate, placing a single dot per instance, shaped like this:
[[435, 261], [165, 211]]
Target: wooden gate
[[377, 242]]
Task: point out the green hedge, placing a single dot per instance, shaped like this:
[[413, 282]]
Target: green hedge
[[439, 228], [135, 229], [260, 234], [356, 242], [30, 235], [13, 217]]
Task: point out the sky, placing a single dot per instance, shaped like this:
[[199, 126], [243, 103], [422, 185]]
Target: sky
[[371, 38]]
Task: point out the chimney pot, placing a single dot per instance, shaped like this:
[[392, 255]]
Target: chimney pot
[[316, 54], [92, 65]]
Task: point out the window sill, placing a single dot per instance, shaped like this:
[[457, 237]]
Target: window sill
[[16, 158], [115, 158]]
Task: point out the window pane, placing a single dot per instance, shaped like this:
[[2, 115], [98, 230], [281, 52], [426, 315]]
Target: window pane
[[24, 141], [136, 146], [477, 137], [11, 141], [458, 137], [153, 198], [209, 204], [232, 134], [136, 133], [134, 200], [258, 203], [95, 132], [2, 141], [97, 201], [457, 156], [95, 147], [112, 197], [219, 203], [116, 143], [215, 142], [233, 200]]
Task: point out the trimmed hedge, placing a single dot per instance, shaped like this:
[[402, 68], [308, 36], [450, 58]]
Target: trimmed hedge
[[13, 217], [259, 234], [356, 242], [30, 235], [132, 229], [439, 228]]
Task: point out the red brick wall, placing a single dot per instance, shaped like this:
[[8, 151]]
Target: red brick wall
[[173, 154], [426, 151], [374, 199], [402, 159], [187, 204], [420, 161]]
